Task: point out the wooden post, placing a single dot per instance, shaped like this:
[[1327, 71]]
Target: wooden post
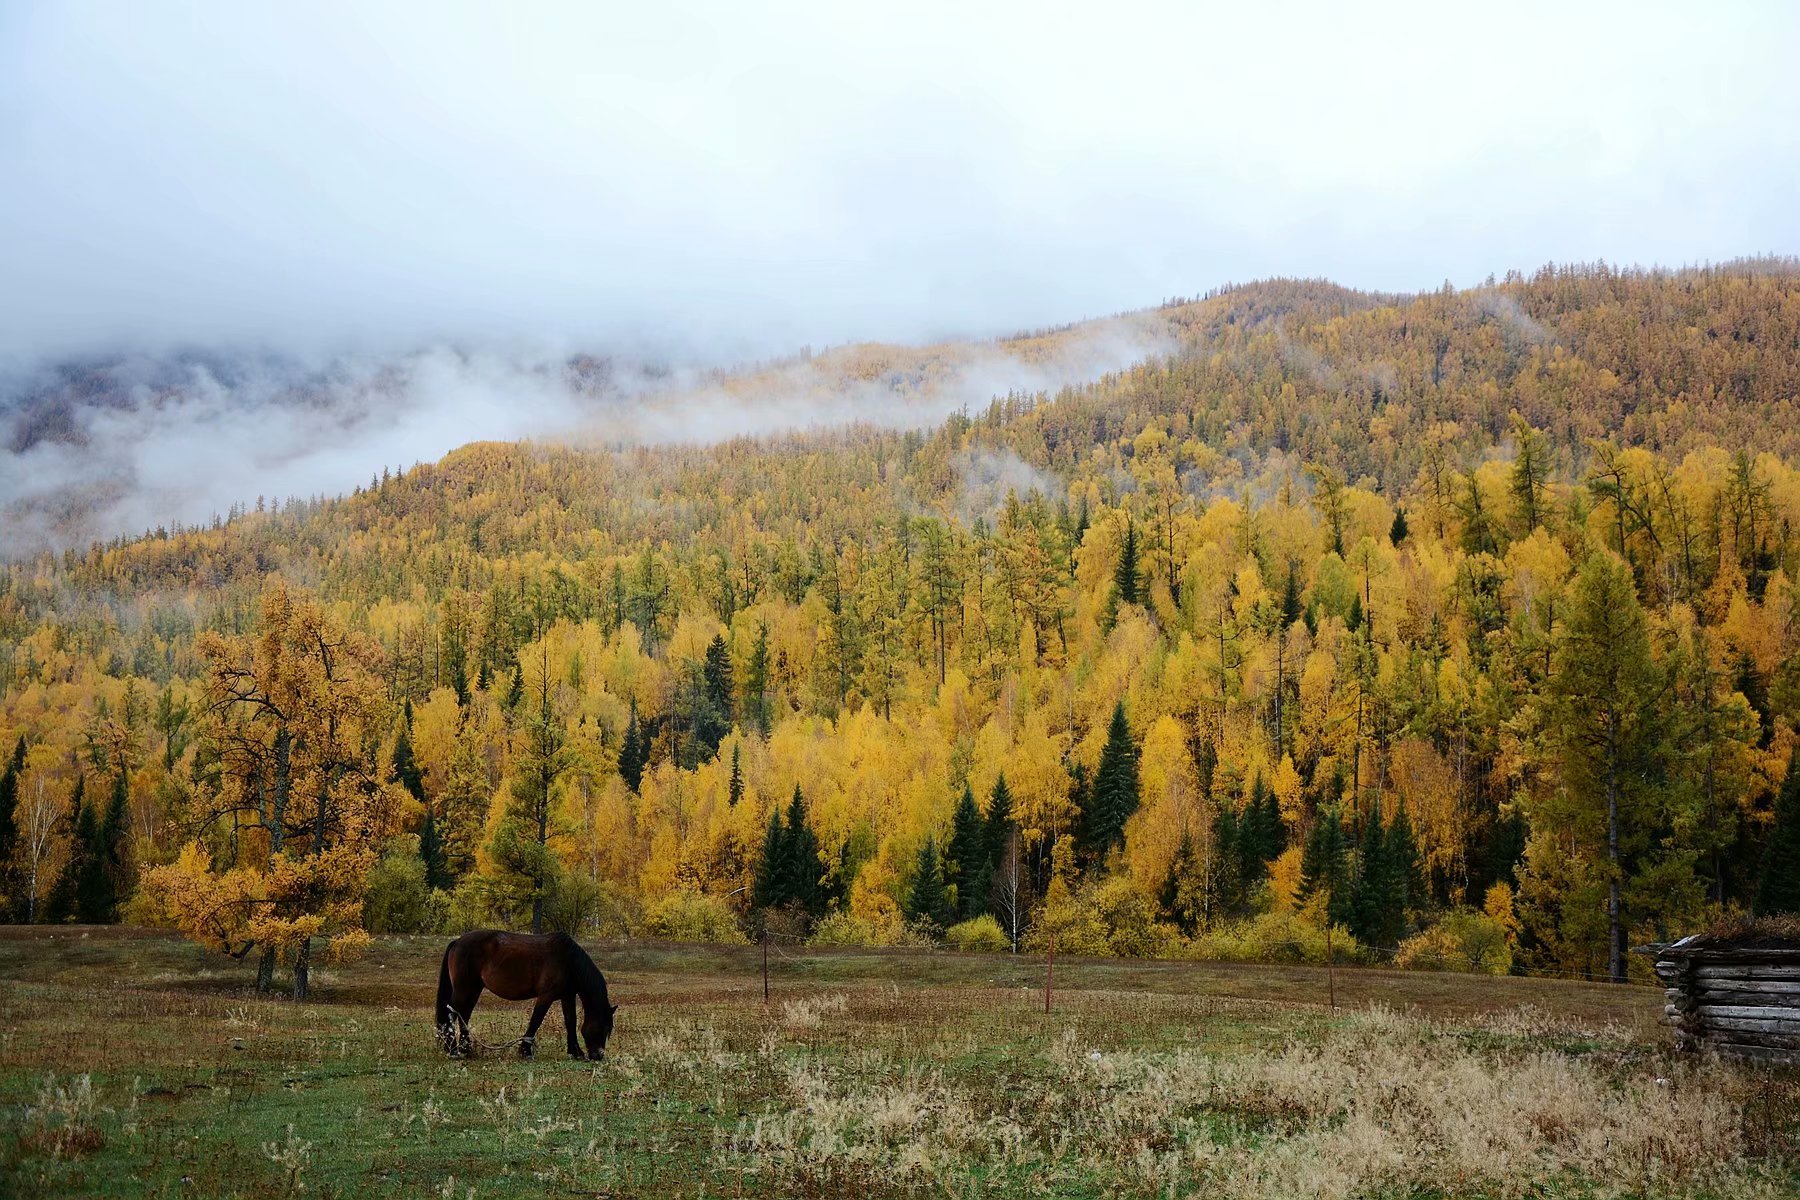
[[765, 950], [1330, 961], [1049, 969]]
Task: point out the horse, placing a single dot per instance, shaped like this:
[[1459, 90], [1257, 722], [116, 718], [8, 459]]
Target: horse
[[521, 966]]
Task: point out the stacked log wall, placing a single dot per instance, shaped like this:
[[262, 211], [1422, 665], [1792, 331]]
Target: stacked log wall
[[1743, 1002]]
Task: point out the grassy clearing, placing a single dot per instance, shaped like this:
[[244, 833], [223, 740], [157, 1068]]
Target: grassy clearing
[[134, 1065]]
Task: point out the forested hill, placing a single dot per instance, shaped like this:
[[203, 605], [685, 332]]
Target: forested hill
[[1353, 608]]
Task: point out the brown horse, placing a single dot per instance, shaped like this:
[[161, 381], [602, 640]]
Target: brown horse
[[522, 966]]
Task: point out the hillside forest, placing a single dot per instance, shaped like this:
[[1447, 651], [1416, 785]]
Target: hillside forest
[[1461, 625]]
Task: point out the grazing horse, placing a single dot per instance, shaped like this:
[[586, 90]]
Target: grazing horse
[[521, 966]]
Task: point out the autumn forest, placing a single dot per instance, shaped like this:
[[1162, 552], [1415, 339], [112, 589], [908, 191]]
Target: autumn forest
[[1456, 628]]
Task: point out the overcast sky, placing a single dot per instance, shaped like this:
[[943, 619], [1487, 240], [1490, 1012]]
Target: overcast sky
[[727, 179]]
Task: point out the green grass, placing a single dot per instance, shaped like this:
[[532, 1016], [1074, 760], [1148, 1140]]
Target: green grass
[[871, 1074]]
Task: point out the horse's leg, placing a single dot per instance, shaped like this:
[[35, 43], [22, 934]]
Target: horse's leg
[[569, 1025], [463, 1002], [529, 1045]]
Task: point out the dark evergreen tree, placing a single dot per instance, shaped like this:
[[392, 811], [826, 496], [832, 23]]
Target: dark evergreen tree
[[967, 858], [431, 851], [799, 869], [405, 770], [766, 890], [929, 901], [9, 822], [999, 818], [1227, 882], [1397, 531], [1173, 897], [1125, 573], [1324, 866], [734, 789], [1409, 867], [1115, 795], [634, 754], [62, 902], [1378, 914], [1778, 890]]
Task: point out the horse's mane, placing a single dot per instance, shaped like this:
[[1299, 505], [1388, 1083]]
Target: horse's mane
[[588, 979]]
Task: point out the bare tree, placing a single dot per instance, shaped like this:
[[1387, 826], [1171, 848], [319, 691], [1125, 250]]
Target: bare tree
[[41, 814], [1009, 894]]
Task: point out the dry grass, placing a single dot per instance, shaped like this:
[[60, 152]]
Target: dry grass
[[869, 1075]]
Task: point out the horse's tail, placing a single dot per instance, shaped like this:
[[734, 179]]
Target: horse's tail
[[443, 997]]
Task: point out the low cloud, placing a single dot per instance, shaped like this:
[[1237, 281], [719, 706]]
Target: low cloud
[[95, 450]]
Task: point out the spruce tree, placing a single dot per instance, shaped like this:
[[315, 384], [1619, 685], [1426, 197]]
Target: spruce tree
[[96, 888], [999, 818], [9, 820], [766, 890], [1778, 891], [1397, 531], [1228, 862], [802, 868], [1409, 868], [734, 789], [431, 852], [62, 904], [966, 859], [405, 767], [1125, 574], [1323, 866], [1115, 789], [1378, 916], [1173, 897], [634, 754], [929, 901]]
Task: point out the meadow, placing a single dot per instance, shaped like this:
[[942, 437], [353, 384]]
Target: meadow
[[134, 1064]]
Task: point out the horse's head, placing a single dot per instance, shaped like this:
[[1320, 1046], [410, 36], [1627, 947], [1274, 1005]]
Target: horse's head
[[596, 1027]]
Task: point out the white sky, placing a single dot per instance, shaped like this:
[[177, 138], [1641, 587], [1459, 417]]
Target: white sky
[[730, 179]]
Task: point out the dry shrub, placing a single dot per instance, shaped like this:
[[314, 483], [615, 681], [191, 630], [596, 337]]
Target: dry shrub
[[61, 1122]]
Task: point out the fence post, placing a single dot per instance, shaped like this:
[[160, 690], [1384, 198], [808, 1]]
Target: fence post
[[1049, 968], [765, 952]]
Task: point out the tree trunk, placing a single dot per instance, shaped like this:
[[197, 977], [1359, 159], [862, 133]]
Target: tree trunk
[[265, 970], [1615, 933], [301, 963]]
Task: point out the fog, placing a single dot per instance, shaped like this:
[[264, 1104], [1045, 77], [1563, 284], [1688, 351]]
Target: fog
[[449, 200]]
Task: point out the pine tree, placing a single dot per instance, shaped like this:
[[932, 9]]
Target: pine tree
[[999, 818], [1323, 866], [766, 890], [1379, 913], [1125, 574], [802, 868], [431, 851], [9, 823], [1409, 867], [929, 901], [967, 857], [1173, 897], [734, 789], [1227, 881], [405, 767], [1397, 531], [634, 754], [61, 904], [1115, 789], [1778, 891]]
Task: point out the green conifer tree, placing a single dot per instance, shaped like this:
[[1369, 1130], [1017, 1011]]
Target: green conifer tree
[[1115, 795], [1778, 889], [967, 857]]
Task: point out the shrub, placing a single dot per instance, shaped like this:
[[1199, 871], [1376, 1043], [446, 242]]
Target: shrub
[[397, 900], [1275, 937], [1464, 940], [844, 928], [686, 915], [983, 935]]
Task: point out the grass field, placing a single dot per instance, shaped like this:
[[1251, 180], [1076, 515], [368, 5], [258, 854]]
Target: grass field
[[132, 1064]]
